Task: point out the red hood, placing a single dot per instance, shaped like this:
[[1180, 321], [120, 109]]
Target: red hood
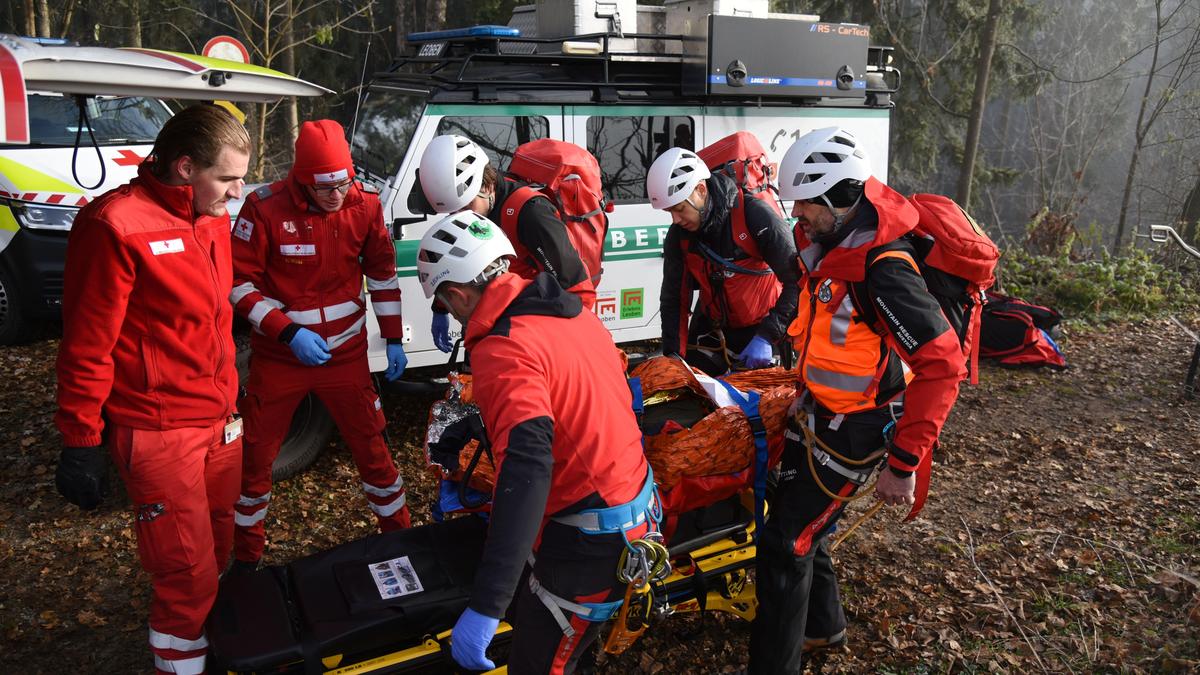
[[848, 260], [496, 298], [513, 295]]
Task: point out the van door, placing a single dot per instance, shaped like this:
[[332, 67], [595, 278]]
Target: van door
[[625, 141], [498, 129]]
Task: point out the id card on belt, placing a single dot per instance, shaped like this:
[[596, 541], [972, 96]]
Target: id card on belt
[[233, 429]]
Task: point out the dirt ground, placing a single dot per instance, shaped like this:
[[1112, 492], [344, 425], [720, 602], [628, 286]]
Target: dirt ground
[[1062, 532]]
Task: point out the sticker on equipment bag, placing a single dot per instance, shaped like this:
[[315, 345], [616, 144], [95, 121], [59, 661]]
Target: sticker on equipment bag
[[395, 578]]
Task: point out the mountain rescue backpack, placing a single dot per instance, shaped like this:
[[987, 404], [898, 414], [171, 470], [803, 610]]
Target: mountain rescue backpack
[[1018, 333], [741, 157], [569, 177], [957, 261]]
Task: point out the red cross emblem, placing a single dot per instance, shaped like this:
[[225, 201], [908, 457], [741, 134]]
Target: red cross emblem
[[127, 158]]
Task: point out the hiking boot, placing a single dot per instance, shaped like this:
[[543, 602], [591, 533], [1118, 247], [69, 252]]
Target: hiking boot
[[812, 644]]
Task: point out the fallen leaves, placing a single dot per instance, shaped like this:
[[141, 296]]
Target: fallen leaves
[[1080, 493]]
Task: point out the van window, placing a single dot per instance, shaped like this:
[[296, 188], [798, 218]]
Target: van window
[[115, 120], [627, 146], [386, 122], [499, 136]]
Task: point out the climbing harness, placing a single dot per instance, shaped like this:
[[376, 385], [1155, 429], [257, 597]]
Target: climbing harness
[[643, 560]]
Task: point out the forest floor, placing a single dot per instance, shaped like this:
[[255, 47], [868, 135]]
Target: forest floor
[[1062, 532]]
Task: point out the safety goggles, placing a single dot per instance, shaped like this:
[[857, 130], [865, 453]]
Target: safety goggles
[[328, 190]]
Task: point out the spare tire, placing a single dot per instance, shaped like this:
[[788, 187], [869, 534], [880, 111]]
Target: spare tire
[[311, 429]]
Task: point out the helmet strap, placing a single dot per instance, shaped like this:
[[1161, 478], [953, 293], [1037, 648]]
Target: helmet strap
[[839, 219]]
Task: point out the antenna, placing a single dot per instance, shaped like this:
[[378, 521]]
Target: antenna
[[361, 80]]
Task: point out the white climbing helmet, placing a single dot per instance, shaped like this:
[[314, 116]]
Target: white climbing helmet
[[673, 177], [464, 247], [452, 172], [819, 160]]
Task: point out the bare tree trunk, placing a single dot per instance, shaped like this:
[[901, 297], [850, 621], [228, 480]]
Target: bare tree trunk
[[289, 67], [1139, 134], [135, 20], [987, 47], [260, 163], [43, 18], [68, 14], [435, 14], [401, 24], [31, 17], [1189, 216]]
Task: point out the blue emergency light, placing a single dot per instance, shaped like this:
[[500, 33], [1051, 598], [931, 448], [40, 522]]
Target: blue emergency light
[[458, 33], [48, 42]]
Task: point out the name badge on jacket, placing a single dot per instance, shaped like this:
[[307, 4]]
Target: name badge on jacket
[[166, 246], [298, 249]]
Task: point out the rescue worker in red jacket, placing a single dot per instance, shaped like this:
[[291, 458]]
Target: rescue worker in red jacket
[[853, 385], [455, 175], [301, 247], [747, 292], [148, 348], [551, 387]]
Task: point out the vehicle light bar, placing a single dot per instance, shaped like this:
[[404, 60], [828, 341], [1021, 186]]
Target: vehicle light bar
[[458, 33]]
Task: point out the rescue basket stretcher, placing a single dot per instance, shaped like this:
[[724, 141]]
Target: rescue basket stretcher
[[387, 603]]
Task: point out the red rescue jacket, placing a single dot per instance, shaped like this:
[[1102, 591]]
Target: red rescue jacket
[[843, 363], [147, 327], [296, 265], [552, 391]]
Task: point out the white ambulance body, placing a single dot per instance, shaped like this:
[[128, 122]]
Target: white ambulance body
[[53, 159]]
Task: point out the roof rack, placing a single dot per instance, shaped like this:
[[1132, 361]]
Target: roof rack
[[484, 60]]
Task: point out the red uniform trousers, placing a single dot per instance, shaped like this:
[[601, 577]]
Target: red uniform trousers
[[274, 390], [183, 484]]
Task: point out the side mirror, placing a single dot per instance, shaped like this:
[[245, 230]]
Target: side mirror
[[417, 203]]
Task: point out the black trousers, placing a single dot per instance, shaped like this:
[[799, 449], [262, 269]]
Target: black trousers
[[796, 585], [713, 362], [539, 645]]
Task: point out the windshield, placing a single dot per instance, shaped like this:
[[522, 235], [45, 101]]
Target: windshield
[[115, 120], [386, 122]]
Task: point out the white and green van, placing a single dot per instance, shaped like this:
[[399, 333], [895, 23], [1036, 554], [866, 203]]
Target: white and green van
[[625, 99]]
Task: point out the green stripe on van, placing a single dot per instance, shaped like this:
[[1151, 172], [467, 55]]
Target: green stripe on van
[[624, 243]]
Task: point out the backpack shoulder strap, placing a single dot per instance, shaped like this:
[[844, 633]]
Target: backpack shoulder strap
[[900, 249], [511, 210], [742, 238]]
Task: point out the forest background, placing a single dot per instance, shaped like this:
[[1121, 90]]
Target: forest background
[[1067, 126]]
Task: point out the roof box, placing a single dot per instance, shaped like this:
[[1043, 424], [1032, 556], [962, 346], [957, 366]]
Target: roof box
[[568, 18], [761, 57]]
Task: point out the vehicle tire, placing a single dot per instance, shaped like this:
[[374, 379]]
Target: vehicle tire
[[311, 429], [16, 326]]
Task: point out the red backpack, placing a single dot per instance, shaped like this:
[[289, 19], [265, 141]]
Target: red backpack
[[741, 157], [569, 177], [1018, 333], [958, 263]]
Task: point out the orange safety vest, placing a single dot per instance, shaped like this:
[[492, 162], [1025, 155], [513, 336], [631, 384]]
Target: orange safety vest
[[841, 358]]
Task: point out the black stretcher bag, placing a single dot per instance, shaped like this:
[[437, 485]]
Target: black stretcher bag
[[327, 606], [288, 618]]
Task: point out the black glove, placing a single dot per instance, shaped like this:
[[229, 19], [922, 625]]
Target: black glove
[[82, 476]]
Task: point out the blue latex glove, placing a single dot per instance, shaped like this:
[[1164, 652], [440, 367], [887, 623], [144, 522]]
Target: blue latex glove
[[441, 332], [309, 347], [397, 362], [757, 354], [470, 639]]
